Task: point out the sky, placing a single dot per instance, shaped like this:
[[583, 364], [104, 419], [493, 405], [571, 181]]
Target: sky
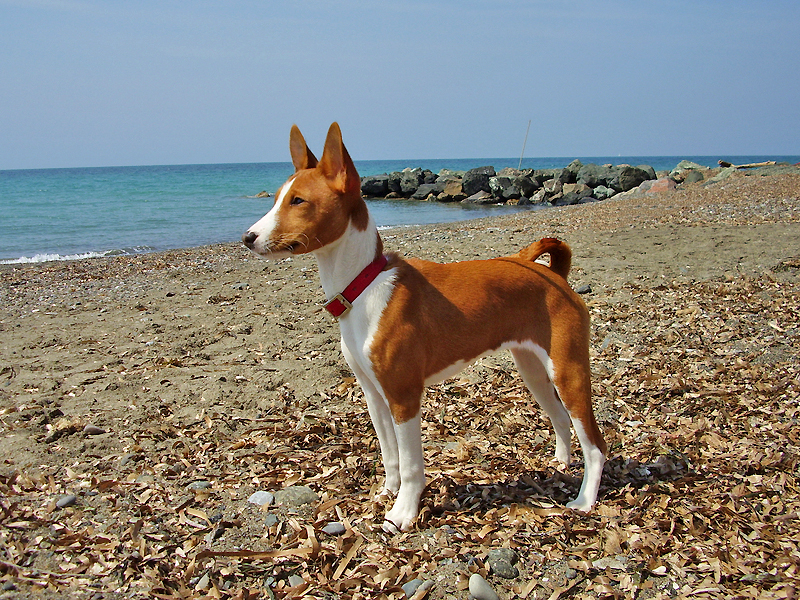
[[104, 83]]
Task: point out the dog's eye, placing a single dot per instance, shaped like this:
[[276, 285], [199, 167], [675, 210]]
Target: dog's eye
[[296, 200]]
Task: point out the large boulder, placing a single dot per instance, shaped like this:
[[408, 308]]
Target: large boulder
[[426, 189], [542, 175], [410, 180], [394, 182], [504, 188], [375, 186], [480, 197], [574, 193], [452, 191], [594, 175], [570, 172], [633, 177], [687, 168], [477, 180]]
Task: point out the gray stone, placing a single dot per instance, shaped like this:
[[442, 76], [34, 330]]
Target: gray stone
[[295, 580], [594, 175], [271, 520], [684, 168], [477, 180], [66, 501], [542, 175], [375, 186], [601, 192], [480, 588], [199, 485], [394, 182], [553, 186], [694, 177], [651, 172], [526, 185], [412, 586], [481, 197], [722, 175], [261, 498], [296, 495], [93, 430], [410, 180], [426, 189], [574, 193], [633, 177], [570, 173], [334, 528], [501, 562], [539, 197]]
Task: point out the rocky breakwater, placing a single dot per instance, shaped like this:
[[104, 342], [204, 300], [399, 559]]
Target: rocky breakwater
[[573, 184]]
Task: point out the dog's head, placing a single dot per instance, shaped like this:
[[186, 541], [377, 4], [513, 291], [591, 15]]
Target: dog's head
[[316, 205]]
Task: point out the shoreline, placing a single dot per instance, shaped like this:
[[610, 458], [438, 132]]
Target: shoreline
[[127, 380]]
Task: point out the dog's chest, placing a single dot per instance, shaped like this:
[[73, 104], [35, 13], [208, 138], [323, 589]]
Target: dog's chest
[[361, 325]]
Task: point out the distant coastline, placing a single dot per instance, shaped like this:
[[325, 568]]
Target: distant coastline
[[103, 211]]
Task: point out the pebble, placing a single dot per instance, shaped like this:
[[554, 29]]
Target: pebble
[[240, 286], [584, 289], [615, 563], [93, 430], [334, 528], [417, 586], [127, 458], [480, 589], [270, 520], [296, 495], [66, 501], [295, 580], [202, 583], [411, 587], [501, 562], [199, 485], [262, 498]]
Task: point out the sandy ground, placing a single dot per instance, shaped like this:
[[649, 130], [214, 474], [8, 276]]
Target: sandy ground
[[162, 390]]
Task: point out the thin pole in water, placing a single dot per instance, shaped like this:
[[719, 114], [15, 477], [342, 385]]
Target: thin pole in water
[[525, 143]]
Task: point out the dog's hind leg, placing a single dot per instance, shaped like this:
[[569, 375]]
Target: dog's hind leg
[[536, 377], [573, 384]]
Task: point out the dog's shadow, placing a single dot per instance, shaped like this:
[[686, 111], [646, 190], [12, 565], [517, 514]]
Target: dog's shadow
[[445, 495]]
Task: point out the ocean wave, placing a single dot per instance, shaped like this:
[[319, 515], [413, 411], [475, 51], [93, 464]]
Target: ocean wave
[[41, 258]]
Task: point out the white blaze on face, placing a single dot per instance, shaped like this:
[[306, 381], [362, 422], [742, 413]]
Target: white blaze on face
[[266, 227]]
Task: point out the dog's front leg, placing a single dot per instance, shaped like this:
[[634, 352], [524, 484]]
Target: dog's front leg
[[412, 477], [382, 422]]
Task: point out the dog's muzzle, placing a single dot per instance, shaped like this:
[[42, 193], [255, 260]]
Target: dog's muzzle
[[249, 239]]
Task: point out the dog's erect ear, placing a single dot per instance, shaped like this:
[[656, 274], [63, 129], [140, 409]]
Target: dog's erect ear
[[336, 163], [302, 157]]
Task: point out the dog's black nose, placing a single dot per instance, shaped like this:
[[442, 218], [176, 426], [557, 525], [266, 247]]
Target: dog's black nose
[[249, 238]]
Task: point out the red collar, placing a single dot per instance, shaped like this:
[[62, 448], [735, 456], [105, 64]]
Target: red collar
[[340, 304]]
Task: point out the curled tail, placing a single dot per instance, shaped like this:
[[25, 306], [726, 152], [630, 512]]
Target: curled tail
[[560, 254]]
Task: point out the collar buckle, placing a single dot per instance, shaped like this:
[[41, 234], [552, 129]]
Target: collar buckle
[[338, 306]]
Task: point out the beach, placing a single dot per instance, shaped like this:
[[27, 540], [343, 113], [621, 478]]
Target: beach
[[158, 392]]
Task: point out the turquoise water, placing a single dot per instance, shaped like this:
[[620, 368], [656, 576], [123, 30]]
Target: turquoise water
[[53, 214]]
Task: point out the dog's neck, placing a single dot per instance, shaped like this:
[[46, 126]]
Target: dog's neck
[[340, 262]]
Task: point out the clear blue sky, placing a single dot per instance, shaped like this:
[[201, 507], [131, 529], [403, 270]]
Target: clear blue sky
[[96, 83]]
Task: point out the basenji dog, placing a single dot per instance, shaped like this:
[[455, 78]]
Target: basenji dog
[[407, 324]]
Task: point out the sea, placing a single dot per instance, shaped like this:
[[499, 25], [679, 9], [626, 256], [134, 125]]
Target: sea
[[83, 213]]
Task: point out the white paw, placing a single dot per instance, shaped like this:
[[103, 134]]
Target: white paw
[[580, 505], [401, 517]]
